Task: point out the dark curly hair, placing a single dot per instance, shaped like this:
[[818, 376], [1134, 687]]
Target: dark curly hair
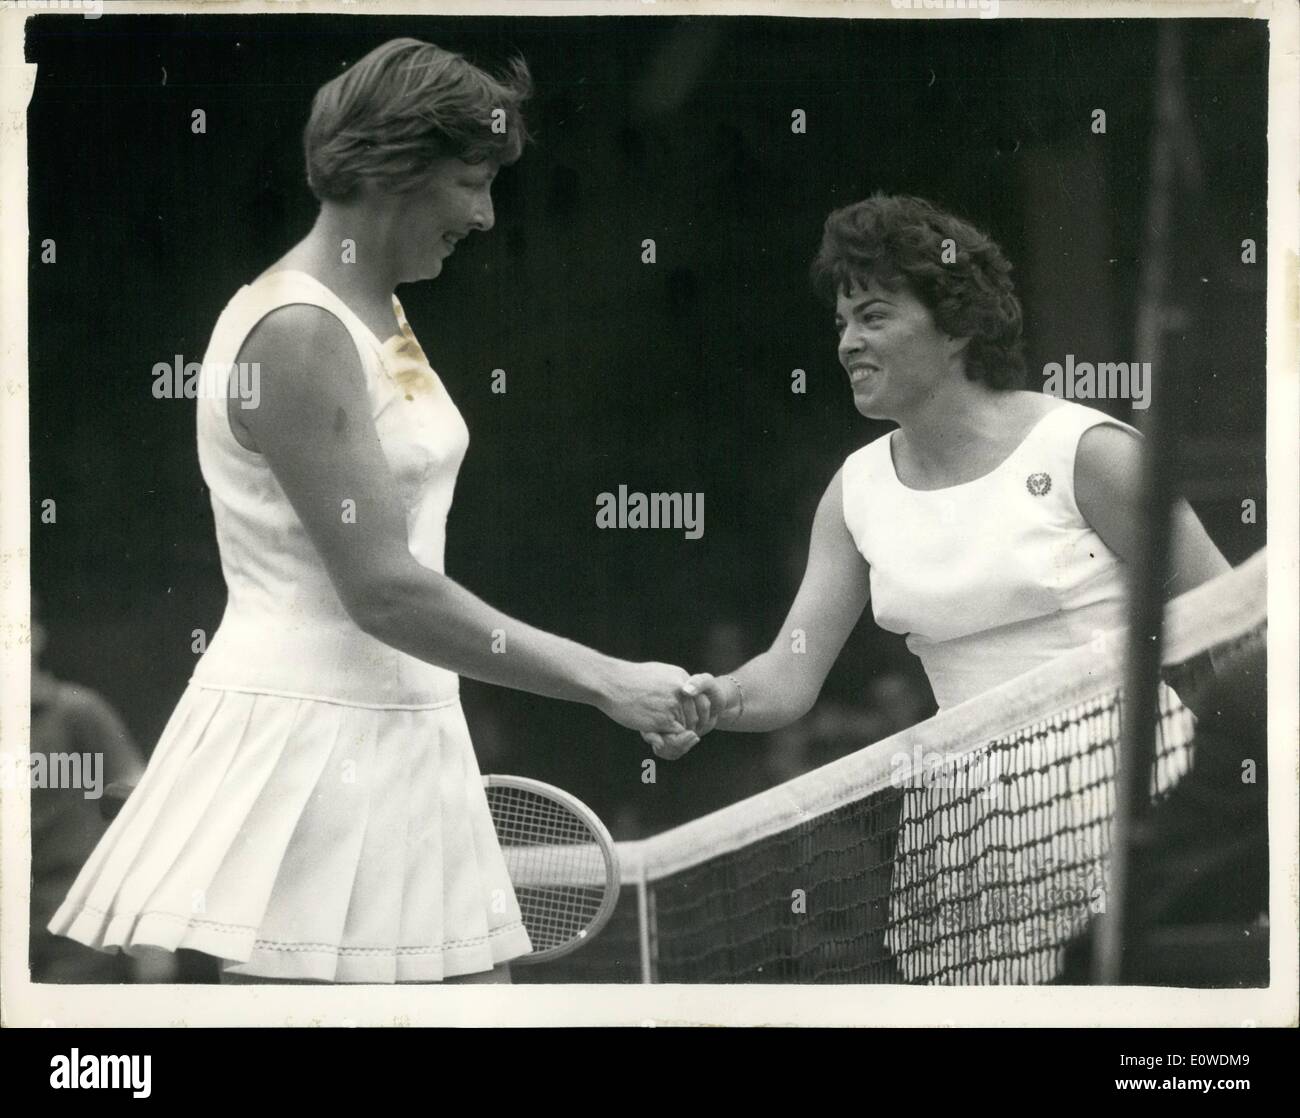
[[897, 239]]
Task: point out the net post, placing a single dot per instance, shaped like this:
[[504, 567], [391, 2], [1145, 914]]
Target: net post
[[643, 927], [1150, 563]]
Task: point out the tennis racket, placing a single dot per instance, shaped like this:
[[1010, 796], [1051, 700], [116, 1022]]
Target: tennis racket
[[561, 860]]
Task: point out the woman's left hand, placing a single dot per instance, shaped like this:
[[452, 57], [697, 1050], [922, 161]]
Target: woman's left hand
[[701, 704]]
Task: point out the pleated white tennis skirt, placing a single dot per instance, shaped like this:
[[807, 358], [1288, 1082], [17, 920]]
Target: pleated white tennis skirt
[[300, 838]]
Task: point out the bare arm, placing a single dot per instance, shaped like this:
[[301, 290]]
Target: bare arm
[[781, 685], [314, 427], [1107, 469]]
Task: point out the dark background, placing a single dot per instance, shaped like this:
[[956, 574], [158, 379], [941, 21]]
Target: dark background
[[666, 377]]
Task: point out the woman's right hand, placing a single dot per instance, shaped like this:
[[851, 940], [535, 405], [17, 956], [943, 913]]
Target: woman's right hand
[[705, 700], [645, 698]]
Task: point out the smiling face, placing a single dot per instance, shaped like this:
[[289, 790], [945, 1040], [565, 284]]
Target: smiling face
[[454, 201], [895, 355]]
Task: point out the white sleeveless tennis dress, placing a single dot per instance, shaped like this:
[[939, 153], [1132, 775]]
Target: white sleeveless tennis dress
[[993, 577], [314, 808], [988, 580]]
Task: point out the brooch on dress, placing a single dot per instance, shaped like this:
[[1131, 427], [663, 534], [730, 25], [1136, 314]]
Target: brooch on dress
[[1039, 484], [406, 364]]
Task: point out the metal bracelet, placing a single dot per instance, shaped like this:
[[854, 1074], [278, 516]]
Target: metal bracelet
[[741, 712]]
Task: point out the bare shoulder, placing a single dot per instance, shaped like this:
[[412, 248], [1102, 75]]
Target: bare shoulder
[[833, 498], [1107, 451], [1107, 468], [831, 525], [296, 335], [309, 375]]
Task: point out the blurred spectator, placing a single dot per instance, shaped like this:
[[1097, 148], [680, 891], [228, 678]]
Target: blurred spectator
[[69, 720]]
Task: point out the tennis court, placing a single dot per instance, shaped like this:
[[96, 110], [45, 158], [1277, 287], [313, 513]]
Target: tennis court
[[970, 849]]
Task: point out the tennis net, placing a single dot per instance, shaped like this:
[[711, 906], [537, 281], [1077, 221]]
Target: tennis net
[[970, 849]]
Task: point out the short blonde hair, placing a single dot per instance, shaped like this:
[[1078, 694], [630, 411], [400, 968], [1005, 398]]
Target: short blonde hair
[[388, 117]]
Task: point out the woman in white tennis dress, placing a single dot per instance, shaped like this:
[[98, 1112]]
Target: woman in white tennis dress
[[991, 528], [314, 810]]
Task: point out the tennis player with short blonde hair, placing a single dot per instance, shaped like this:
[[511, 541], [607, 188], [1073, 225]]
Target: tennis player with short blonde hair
[[314, 810]]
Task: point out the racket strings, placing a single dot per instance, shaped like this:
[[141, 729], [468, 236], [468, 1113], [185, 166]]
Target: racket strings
[[556, 863]]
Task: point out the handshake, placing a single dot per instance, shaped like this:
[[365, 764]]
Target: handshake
[[671, 709]]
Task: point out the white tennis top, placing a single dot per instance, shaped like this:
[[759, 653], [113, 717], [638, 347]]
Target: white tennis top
[[993, 577], [285, 631]]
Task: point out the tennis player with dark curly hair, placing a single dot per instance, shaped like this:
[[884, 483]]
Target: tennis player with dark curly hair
[[992, 527]]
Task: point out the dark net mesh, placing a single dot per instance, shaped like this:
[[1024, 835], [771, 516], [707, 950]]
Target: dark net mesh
[[980, 862]]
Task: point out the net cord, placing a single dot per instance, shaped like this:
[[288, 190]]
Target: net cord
[[1212, 614]]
